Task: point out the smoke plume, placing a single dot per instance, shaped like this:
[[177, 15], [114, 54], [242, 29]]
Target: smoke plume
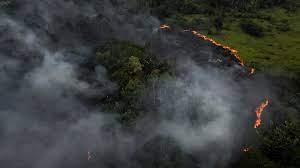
[[45, 121]]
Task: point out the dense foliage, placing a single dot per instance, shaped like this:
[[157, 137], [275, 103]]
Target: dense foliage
[[131, 66], [252, 28], [279, 147]]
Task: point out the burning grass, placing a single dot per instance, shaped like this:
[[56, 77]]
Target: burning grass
[[259, 111], [277, 52]]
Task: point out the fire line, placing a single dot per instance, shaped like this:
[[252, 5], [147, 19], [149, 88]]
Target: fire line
[[234, 52], [259, 111]]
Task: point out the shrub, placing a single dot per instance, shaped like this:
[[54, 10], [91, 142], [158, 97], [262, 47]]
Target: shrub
[[218, 23], [130, 66], [282, 144], [284, 27], [252, 28]]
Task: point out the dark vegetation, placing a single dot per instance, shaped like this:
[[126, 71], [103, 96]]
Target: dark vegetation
[[264, 25], [277, 145], [252, 28], [132, 67]]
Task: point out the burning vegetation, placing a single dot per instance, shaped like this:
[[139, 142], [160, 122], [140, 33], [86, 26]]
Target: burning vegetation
[[135, 108], [163, 26], [259, 111], [234, 52], [246, 149], [231, 50]]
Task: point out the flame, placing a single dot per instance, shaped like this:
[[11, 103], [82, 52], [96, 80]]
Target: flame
[[164, 26], [246, 149], [259, 111], [252, 70], [233, 51]]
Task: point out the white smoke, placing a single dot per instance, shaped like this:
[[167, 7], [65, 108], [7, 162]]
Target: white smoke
[[45, 123]]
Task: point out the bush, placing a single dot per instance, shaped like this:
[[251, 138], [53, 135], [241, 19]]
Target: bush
[[252, 28], [8, 6], [281, 144], [130, 66], [218, 23], [284, 27], [290, 5]]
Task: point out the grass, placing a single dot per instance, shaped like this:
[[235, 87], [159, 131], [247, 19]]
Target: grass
[[278, 52]]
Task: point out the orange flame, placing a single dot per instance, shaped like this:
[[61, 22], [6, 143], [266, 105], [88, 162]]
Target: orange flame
[[164, 26], [259, 111], [233, 51]]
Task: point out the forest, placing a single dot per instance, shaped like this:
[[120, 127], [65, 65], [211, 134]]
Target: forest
[[150, 83]]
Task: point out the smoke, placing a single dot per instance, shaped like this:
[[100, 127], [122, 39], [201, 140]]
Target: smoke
[[45, 121], [202, 109]]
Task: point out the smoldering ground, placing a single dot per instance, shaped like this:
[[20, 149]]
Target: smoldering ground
[[45, 123]]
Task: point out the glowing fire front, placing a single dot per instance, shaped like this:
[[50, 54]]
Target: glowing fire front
[[259, 111], [234, 52]]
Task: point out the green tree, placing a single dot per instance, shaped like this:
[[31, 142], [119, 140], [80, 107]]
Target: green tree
[[282, 144], [134, 65]]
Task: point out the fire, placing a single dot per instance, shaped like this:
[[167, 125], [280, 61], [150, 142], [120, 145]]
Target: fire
[[233, 51], [259, 111], [163, 26], [252, 70], [246, 149]]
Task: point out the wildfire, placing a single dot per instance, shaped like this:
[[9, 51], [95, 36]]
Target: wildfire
[[246, 149], [252, 70], [163, 26], [259, 111], [233, 51]]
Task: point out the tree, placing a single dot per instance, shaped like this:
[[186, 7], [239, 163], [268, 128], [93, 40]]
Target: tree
[[134, 65], [282, 144]]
